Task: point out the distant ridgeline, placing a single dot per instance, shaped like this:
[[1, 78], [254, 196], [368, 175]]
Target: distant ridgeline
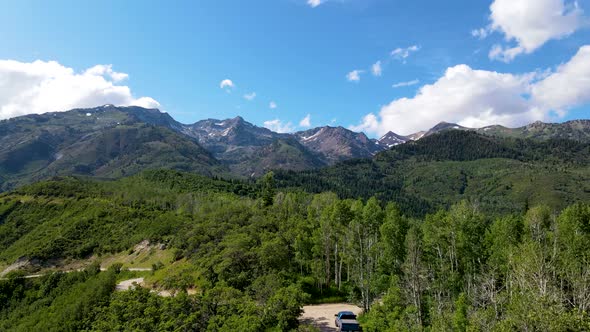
[[112, 142], [502, 175]]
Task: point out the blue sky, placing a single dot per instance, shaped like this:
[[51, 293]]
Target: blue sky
[[298, 56]]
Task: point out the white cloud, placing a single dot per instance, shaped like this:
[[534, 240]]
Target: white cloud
[[314, 3], [354, 76], [306, 121], [369, 123], [404, 53], [250, 96], [145, 102], [226, 84], [272, 105], [376, 69], [278, 126], [47, 86], [481, 33], [498, 52], [102, 70], [477, 98], [408, 83], [531, 23], [464, 95], [566, 87]]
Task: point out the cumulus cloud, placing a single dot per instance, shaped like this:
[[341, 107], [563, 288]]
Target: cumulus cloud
[[404, 53], [306, 121], [404, 84], [376, 69], [227, 84], [369, 123], [102, 70], [47, 86], [477, 98], [278, 126], [314, 3], [354, 76], [461, 95], [250, 96], [530, 23], [272, 105], [567, 86]]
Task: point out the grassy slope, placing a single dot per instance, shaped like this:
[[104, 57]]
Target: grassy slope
[[72, 219], [143, 259]]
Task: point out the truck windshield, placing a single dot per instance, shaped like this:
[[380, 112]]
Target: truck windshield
[[348, 317]]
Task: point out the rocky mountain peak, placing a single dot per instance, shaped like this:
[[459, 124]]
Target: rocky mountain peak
[[392, 139], [338, 143]]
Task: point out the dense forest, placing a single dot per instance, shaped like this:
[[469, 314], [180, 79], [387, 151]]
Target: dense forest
[[254, 254], [504, 175]]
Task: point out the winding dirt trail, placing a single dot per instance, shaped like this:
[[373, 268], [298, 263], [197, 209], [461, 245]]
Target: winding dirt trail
[[322, 315]]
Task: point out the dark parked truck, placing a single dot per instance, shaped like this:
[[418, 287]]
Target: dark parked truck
[[346, 321]]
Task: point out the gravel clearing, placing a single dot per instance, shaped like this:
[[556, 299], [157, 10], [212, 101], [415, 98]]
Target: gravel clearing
[[322, 315]]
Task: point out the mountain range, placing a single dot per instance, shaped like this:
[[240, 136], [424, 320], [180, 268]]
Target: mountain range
[[111, 142]]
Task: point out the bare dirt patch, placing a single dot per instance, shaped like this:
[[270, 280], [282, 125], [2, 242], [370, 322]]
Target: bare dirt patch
[[128, 284], [19, 264], [322, 315]]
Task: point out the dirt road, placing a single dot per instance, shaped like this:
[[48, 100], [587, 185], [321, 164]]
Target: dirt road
[[322, 315]]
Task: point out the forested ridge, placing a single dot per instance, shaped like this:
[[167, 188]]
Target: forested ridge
[[422, 238], [504, 175]]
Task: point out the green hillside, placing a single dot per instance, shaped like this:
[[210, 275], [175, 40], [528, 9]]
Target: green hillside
[[109, 153], [252, 256], [502, 175]]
